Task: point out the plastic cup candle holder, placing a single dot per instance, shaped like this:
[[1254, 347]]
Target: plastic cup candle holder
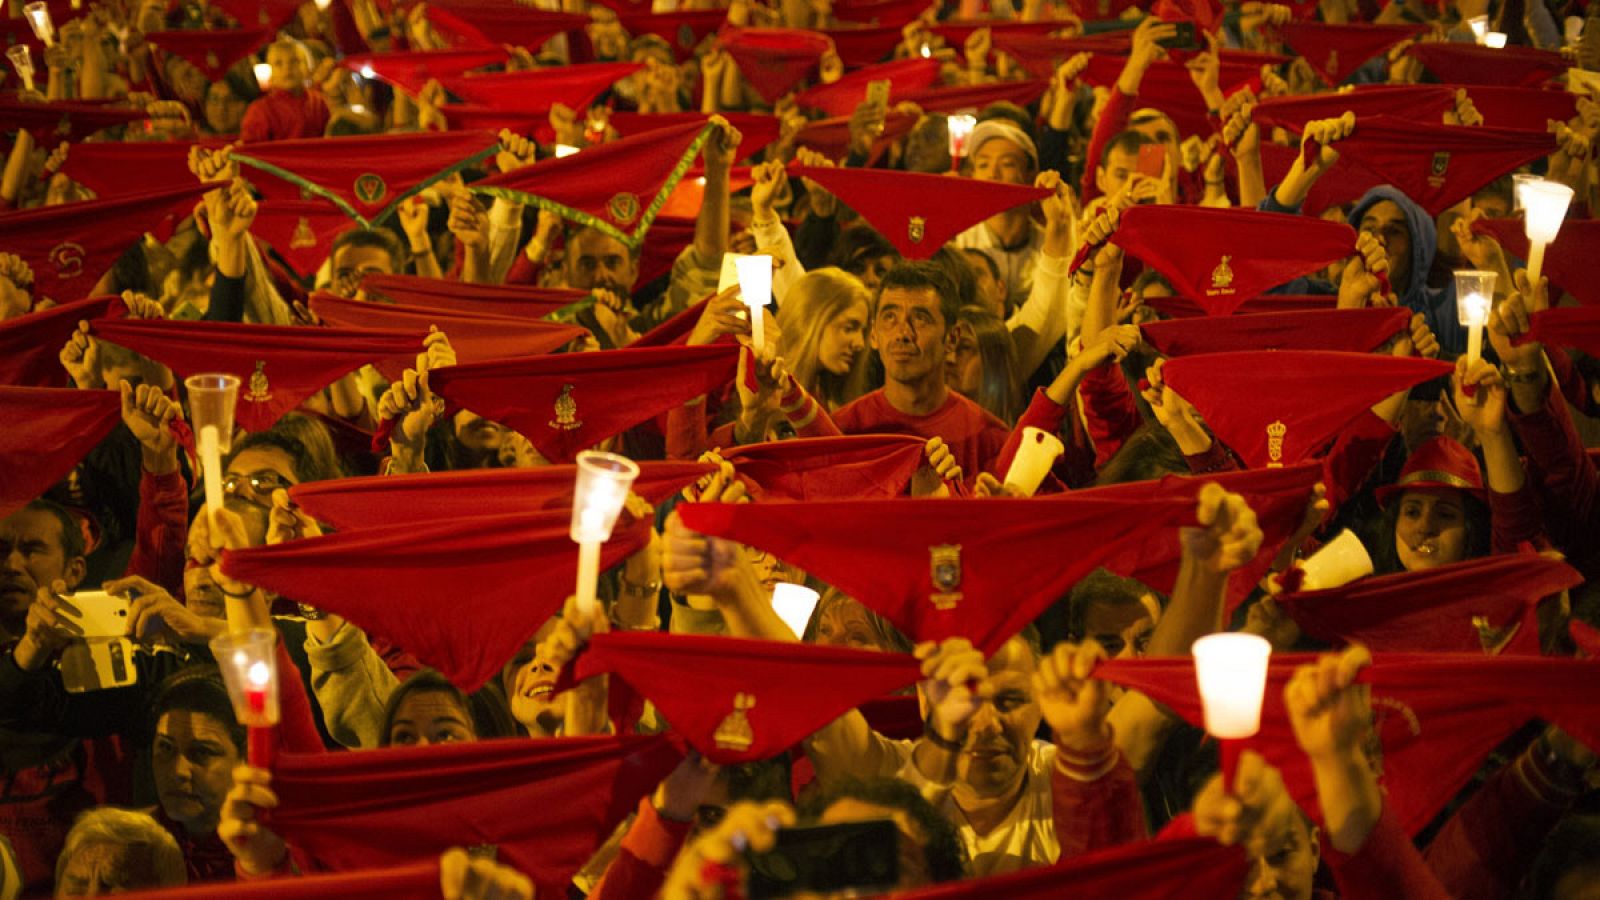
[[1544, 207], [22, 60], [597, 498], [38, 15], [249, 664], [212, 399], [794, 604], [960, 129], [1230, 669], [1474, 299]]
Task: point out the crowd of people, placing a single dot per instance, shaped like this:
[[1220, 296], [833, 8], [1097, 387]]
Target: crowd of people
[[1199, 257]]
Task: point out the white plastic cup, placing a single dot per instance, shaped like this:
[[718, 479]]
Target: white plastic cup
[[213, 398], [1037, 453], [38, 15], [794, 604], [1544, 204], [1231, 671], [22, 60], [249, 665], [1495, 39], [1339, 562], [597, 499]]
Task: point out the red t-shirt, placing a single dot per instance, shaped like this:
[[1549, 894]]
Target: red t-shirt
[[972, 433], [281, 116]]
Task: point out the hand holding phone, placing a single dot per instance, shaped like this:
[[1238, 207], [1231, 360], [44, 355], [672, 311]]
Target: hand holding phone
[[1152, 160], [827, 858], [1186, 37], [101, 615]]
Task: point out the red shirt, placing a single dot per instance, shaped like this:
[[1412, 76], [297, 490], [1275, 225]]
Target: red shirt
[[281, 116], [974, 436]]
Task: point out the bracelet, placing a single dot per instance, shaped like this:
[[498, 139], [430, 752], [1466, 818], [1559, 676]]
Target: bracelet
[[934, 738], [228, 593]]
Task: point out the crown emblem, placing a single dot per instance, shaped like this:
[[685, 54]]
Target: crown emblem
[[260, 390], [1222, 277], [1441, 164], [303, 235], [1275, 433], [566, 411], [944, 571], [735, 732], [916, 228], [370, 188], [623, 207]]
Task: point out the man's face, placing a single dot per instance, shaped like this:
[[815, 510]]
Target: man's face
[[192, 760], [288, 67], [998, 159], [913, 866], [31, 557], [1120, 166], [928, 146], [97, 869], [596, 260], [1122, 629], [1494, 206], [1283, 867], [910, 333], [1160, 129], [1387, 222], [353, 263], [201, 595], [994, 758]]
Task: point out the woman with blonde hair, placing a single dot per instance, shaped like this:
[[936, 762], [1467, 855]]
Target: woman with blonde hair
[[825, 320]]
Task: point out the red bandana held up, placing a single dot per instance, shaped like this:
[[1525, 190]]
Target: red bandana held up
[[1436, 716], [68, 422], [1351, 330], [269, 14], [843, 96], [65, 120], [773, 60], [1142, 870], [956, 31], [567, 403], [30, 345], [487, 299], [668, 236], [1230, 255], [365, 176], [498, 24], [1436, 610], [212, 51], [68, 258], [543, 805], [831, 137], [1168, 88], [919, 213], [684, 29], [347, 503], [863, 46], [1524, 109], [852, 467], [1042, 55], [756, 130], [412, 880], [738, 700], [1335, 52], [1567, 326], [1275, 408], [1100, 9], [537, 90], [1503, 66], [1206, 14], [1566, 261], [675, 331], [955, 99], [475, 337], [411, 71], [102, 166], [278, 366], [883, 13], [461, 594], [1425, 103], [302, 231], [946, 568], [1344, 183], [1185, 308], [616, 188]]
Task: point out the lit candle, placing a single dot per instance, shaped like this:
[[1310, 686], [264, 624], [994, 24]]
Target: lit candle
[[1480, 27], [755, 285], [1230, 669], [1544, 206], [212, 398], [249, 664], [960, 128], [1495, 39], [39, 18], [22, 61], [263, 75], [597, 498], [794, 604], [565, 150], [1474, 299]]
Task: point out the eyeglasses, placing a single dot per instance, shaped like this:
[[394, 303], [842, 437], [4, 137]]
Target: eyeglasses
[[352, 277], [258, 484]]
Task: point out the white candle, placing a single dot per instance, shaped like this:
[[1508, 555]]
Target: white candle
[[211, 466], [755, 284]]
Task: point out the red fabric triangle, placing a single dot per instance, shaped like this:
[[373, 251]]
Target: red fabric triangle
[[268, 14], [1311, 394], [906, 559], [346, 503], [1352, 330], [956, 31], [412, 880], [1433, 610], [1230, 255], [1205, 14], [955, 99], [1567, 261], [882, 13], [1567, 326], [1586, 637], [688, 195], [739, 700], [544, 805], [538, 90], [302, 231], [675, 331], [667, 237], [774, 60], [278, 366], [684, 29], [919, 213], [852, 467], [1184, 308], [521, 568], [756, 130], [368, 174], [1522, 109], [492, 25], [1142, 870], [1168, 88], [843, 96], [411, 71], [68, 422], [831, 137], [1344, 183], [864, 45], [30, 345], [490, 299], [1335, 52], [1455, 63], [1436, 716], [102, 166], [67, 258], [475, 337], [616, 187], [1426, 103], [1100, 9], [212, 51], [608, 392], [1041, 54]]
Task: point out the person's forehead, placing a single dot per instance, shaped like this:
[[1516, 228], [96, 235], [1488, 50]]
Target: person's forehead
[[426, 707], [1120, 158], [31, 524], [255, 459], [1449, 498], [1113, 617], [1011, 664], [923, 297], [999, 146], [356, 256], [185, 725], [593, 243], [1384, 212]]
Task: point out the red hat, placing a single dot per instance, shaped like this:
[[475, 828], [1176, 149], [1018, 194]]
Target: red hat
[[738, 700], [1167, 87], [1222, 257], [212, 51], [1185, 308], [302, 231], [460, 594], [617, 188], [65, 120], [278, 366], [1277, 407], [102, 166], [1142, 870], [570, 402], [1335, 52], [1436, 716], [1456, 63], [1352, 330], [976, 96], [476, 337], [1434, 610], [774, 60], [831, 137], [946, 568], [69, 247], [756, 130], [347, 503], [1566, 260], [1041, 54], [491, 299], [1523, 109], [851, 467], [1425, 103], [496, 24], [545, 806], [883, 13], [684, 29], [1438, 464], [364, 176], [863, 45], [843, 96], [30, 345], [67, 422], [919, 213], [538, 90], [411, 71]]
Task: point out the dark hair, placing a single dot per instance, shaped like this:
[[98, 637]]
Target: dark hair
[[1128, 141], [955, 265], [1102, 586], [1380, 543], [1501, 188], [919, 275], [859, 245], [1000, 390], [295, 436], [72, 545], [198, 689], [1149, 453], [1569, 847], [941, 846], [423, 681], [376, 238], [973, 254]]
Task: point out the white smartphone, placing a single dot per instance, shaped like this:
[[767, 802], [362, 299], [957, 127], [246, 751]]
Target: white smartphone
[[98, 664], [103, 615]]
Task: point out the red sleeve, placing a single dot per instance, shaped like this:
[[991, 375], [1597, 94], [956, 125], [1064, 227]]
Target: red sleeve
[[648, 848], [523, 271], [161, 530], [1514, 519], [1573, 386], [1093, 813], [805, 414], [1566, 478], [1387, 865], [401, 663], [255, 126], [686, 430], [1113, 119], [1108, 410], [1358, 449]]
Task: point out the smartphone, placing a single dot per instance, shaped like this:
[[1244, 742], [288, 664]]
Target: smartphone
[[103, 615], [97, 664], [1152, 160], [878, 92], [827, 858], [1185, 39]]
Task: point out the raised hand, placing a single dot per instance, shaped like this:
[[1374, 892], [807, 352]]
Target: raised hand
[[515, 151], [258, 849], [1073, 701], [1484, 409], [949, 670], [463, 877], [1359, 284], [155, 613], [1228, 536], [1330, 714], [80, 356], [1323, 133], [148, 413], [415, 408]]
